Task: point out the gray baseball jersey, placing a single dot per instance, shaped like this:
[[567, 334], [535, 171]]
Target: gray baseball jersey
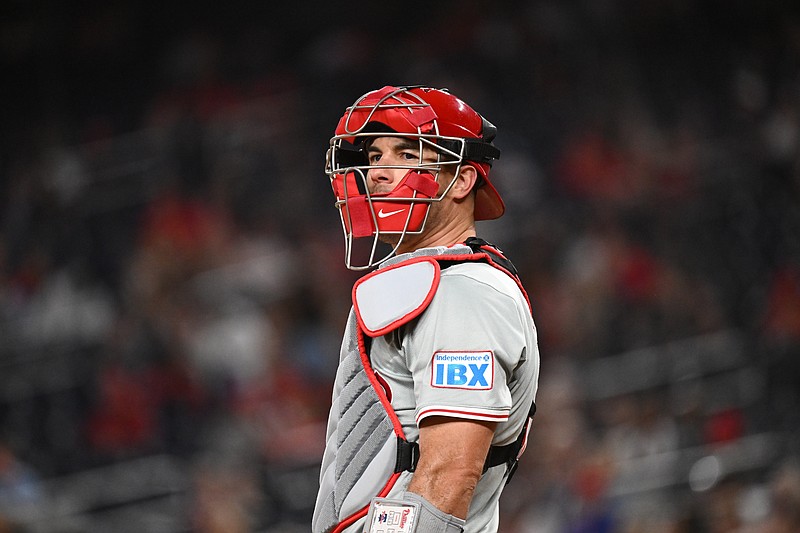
[[471, 354]]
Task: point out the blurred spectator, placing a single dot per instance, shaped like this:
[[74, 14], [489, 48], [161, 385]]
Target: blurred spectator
[[163, 209], [21, 492], [124, 420], [782, 314], [226, 499], [784, 515]]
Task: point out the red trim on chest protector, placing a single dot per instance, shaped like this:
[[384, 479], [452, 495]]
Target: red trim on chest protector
[[414, 313], [375, 381]]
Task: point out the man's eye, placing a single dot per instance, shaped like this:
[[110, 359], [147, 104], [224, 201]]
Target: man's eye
[[410, 156], [374, 158]]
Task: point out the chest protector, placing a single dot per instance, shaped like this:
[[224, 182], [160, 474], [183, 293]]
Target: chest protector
[[367, 449]]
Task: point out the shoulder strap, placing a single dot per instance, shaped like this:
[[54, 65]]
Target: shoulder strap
[[481, 251], [488, 253], [479, 245]]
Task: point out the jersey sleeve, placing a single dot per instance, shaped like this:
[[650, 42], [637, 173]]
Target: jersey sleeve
[[464, 348]]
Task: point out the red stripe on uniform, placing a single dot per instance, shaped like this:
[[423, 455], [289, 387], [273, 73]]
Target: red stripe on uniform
[[456, 412]]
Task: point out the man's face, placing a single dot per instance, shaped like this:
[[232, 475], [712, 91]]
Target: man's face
[[395, 151]]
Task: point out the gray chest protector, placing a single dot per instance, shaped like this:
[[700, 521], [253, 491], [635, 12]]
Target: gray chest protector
[[366, 449]]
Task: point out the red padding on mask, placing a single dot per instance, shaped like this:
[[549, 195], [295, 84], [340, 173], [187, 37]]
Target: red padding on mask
[[360, 216], [419, 116], [422, 183], [342, 183]]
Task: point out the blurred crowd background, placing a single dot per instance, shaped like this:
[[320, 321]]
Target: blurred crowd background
[[172, 288]]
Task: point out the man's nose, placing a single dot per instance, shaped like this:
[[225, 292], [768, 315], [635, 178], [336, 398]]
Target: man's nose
[[382, 175]]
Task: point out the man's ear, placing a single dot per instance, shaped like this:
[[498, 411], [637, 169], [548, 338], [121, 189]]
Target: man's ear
[[465, 182]]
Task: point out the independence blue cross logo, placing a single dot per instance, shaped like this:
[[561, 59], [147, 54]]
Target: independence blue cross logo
[[463, 370]]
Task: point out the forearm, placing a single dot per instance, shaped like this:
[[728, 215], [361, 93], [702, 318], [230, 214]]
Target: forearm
[[450, 490], [452, 454]]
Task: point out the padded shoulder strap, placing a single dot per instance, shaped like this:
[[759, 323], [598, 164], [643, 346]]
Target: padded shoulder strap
[[479, 245], [477, 249], [390, 297]]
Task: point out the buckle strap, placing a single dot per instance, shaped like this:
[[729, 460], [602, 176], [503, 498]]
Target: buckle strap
[[507, 455], [407, 456], [499, 455]]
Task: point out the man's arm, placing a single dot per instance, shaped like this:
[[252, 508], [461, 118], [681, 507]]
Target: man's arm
[[452, 454]]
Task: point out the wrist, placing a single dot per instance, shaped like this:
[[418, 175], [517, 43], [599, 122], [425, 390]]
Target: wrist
[[409, 512]]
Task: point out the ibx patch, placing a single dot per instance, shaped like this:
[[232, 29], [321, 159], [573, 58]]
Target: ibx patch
[[463, 370]]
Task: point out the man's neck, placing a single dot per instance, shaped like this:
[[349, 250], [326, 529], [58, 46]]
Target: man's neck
[[449, 222], [439, 238]]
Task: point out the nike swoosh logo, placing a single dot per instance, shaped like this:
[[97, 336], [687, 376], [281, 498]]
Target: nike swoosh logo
[[381, 214]]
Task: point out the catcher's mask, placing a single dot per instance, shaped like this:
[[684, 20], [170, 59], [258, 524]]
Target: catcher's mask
[[437, 123]]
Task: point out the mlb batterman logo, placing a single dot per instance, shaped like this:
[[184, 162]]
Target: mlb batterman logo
[[463, 370]]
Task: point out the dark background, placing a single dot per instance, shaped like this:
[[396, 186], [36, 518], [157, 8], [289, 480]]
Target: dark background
[[172, 289]]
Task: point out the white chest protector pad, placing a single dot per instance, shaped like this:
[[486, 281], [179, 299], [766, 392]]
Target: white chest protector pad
[[390, 297]]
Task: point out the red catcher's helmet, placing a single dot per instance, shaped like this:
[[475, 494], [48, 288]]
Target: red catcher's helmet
[[435, 119]]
